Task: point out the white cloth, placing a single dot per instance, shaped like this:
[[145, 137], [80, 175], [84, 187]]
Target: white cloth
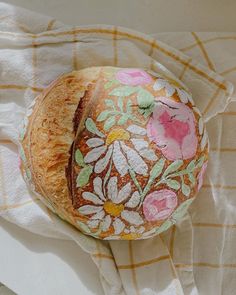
[[34, 50]]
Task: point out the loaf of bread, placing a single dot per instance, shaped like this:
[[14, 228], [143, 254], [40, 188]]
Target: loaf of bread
[[119, 153]]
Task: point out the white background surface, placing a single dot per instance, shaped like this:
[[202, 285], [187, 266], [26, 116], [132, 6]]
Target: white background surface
[[148, 16], [23, 255]]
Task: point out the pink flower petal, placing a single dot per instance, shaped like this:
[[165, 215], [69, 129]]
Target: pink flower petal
[[159, 205], [172, 128], [201, 175], [133, 77]]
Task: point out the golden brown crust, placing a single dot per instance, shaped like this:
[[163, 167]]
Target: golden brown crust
[[50, 135]]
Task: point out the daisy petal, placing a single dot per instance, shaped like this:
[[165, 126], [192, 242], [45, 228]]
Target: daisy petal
[[89, 209], [134, 200], [150, 232], [135, 129], [106, 223], [132, 217], [141, 229], [102, 163], [119, 160], [135, 161], [159, 84], [183, 95], [92, 198], [123, 193], [94, 142], [94, 154], [93, 223], [97, 186], [118, 226], [112, 188], [148, 154], [204, 140], [170, 90], [200, 126], [99, 215], [139, 144]]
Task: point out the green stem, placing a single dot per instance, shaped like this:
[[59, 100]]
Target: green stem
[[132, 175]]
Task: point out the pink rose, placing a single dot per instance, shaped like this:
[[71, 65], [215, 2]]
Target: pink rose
[[201, 175], [133, 77], [172, 128], [159, 205]]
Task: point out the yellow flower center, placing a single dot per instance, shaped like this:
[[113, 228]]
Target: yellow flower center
[[117, 134], [113, 209], [131, 236]]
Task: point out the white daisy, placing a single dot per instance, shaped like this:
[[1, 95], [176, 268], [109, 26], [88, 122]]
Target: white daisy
[[110, 207], [122, 155], [170, 89]]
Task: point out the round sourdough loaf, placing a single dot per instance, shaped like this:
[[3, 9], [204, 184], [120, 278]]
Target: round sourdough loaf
[[119, 153]]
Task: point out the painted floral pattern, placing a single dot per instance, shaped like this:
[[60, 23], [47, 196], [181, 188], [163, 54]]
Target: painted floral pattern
[[172, 128], [159, 205], [133, 77], [142, 159]]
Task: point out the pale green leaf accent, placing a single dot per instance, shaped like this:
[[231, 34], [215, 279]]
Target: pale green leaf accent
[[79, 158], [200, 162], [148, 111], [110, 84], [191, 166], [185, 189], [28, 174], [182, 209], [192, 178], [129, 106], [165, 226], [173, 167], [133, 176], [84, 175], [103, 115], [109, 102], [145, 98], [123, 119], [91, 127], [174, 184], [120, 103], [123, 91], [109, 123], [83, 227], [154, 173]]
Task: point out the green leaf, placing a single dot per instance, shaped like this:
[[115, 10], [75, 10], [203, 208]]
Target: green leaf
[[129, 106], [109, 123], [185, 189], [123, 119], [109, 102], [83, 227], [192, 178], [84, 175], [103, 116], [123, 91], [91, 127], [191, 166], [182, 209], [148, 111], [154, 173], [79, 158], [144, 98], [120, 103], [109, 84], [200, 162], [173, 167], [174, 184], [157, 169], [165, 226]]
